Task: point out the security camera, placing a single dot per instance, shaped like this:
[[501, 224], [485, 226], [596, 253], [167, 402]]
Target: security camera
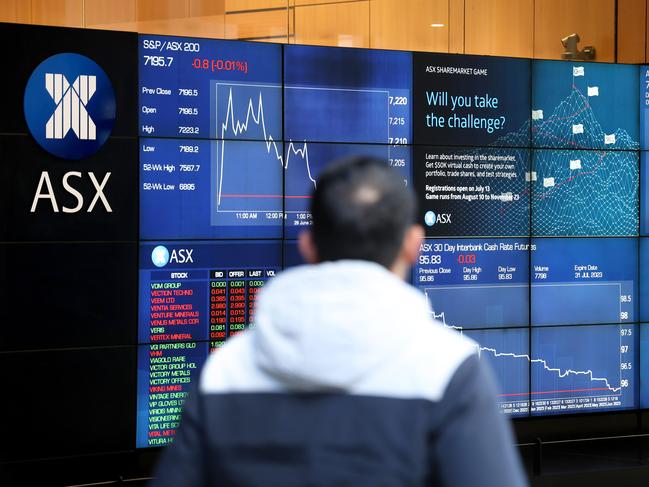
[[572, 51]]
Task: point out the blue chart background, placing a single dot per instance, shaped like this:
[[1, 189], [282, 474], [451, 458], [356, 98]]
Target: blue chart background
[[643, 277], [247, 189], [206, 256], [601, 198], [511, 373], [486, 301], [198, 356], [339, 95], [564, 100], [644, 196], [264, 66], [583, 348], [246, 111], [644, 365], [644, 107], [174, 213], [193, 213], [298, 181], [564, 303], [247, 176]]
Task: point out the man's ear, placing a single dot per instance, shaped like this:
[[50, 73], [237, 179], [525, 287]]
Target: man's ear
[[307, 248], [412, 243]]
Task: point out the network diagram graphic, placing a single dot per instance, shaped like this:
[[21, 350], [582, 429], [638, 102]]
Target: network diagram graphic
[[584, 178]]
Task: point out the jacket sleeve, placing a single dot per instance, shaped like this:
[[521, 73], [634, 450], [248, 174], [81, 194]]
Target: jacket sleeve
[[474, 445], [182, 464]]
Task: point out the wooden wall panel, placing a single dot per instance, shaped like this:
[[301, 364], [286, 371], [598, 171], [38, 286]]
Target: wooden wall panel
[[97, 12], [318, 2], [58, 12], [406, 25], [208, 26], [631, 34], [456, 26], [242, 5], [337, 24], [201, 8], [271, 25], [500, 27], [593, 20], [19, 11], [162, 9]]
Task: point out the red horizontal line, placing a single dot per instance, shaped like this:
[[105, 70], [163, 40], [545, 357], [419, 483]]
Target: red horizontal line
[[554, 392], [288, 196]]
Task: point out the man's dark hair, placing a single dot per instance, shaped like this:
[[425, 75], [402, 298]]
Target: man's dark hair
[[361, 209]]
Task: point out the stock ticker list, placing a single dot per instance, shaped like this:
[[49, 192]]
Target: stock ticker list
[[193, 297]]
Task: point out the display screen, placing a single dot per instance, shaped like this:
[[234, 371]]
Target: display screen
[[505, 155], [644, 196], [223, 100], [585, 106], [340, 103], [534, 179], [202, 290], [581, 368], [584, 281], [585, 193], [643, 279], [194, 295], [165, 374], [644, 365], [507, 352], [471, 100], [471, 192], [491, 274]]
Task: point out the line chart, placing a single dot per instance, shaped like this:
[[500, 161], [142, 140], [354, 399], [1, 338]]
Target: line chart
[[252, 159], [561, 373]]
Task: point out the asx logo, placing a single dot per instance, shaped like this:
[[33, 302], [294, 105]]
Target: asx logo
[[160, 256], [70, 107], [431, 218], [71, 101]]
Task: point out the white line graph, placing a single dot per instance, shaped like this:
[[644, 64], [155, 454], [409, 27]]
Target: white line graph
[[238, 127], [255, 115], [561, 373]]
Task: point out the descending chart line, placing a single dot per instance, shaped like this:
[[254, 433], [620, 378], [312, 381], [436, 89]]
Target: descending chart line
[[238, 127], [561, 373], [255, 115]]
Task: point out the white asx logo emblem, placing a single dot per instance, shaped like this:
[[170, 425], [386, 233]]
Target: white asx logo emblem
[[70, 106], [70, 111]]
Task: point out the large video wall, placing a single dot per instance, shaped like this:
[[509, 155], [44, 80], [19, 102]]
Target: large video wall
[[532, 186], [528, 178]]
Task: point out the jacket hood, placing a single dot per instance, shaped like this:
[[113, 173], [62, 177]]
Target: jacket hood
[[327, 326]]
